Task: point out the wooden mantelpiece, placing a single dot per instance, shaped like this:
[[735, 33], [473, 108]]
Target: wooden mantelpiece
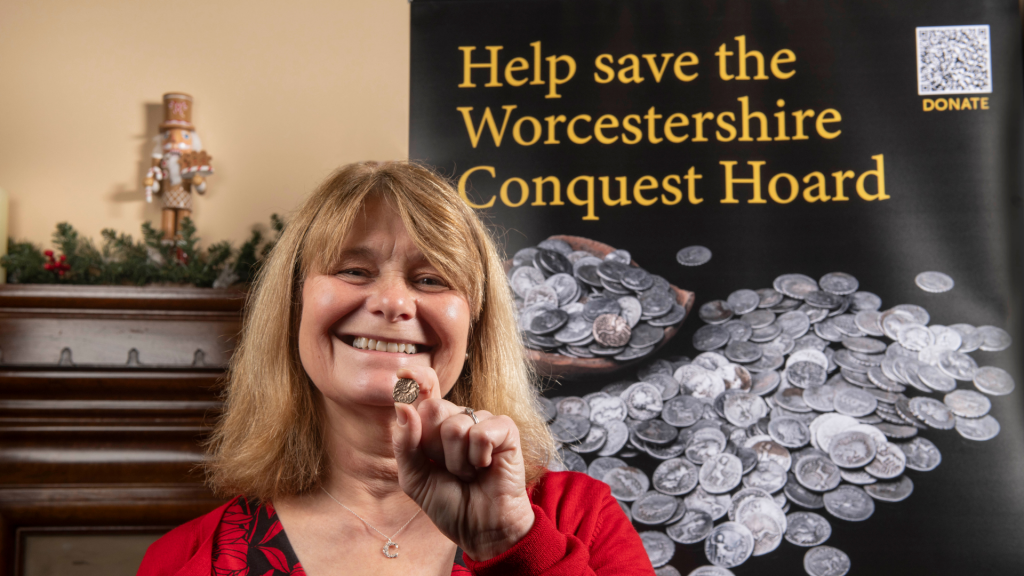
[[106, 394]]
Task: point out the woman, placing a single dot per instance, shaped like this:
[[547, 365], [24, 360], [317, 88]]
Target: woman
[[383, 274]]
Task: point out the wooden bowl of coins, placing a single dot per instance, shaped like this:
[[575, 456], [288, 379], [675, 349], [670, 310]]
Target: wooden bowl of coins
[[588, 309]]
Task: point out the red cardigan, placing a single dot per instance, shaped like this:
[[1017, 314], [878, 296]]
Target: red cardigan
[[579, 530]]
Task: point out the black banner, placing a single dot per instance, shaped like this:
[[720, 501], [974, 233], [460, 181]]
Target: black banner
[[878, 139]]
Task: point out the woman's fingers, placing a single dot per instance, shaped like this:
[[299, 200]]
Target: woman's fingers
[[413, 464], [492, 437]]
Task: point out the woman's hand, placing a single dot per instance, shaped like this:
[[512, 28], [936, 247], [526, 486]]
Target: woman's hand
[[469, 478]]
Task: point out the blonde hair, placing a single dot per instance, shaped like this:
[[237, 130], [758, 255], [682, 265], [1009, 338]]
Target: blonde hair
[[269, 442]]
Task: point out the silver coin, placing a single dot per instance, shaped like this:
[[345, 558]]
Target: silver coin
[[659, 547], [744, 495], [739, 330], [744, 409], [759, 318], [675, 477], [958, 365], [570, 461], [801, 496], [839, 283], [767, 475], [806, 374], [710, 337], [984, 428], [541, 294], [600, 466], [607, 408], [855, 402], [868, 322], [627, 483], [922, 455], [789, 432], [934, 282], [653, 508], [704, 444], [565, 287], [807, 529], [710, 571], [826, 426], [693, 527], [932, 412], [729, 544], [817, 473], [752, 506], [865, 301], [916, 337], [993, 381], [715, 505], [668, 385], [766, 531], [770, 450], [630, 310], [826, 561], [946, 337], [795, 285], [766, 334], [682, 411], [889, 462], [693, 256], [897, 431], [895, 491], [743, 301], [852, 449], [656, 431], [720, 473], [618, 435], [643, 401], [967, 403], [993, 339], [569, 428], [849, 503], [893, 321], [918, 314], [763, 383], [575, 329], [525, 279], [864, 344], [593, 442], [573, 405], [743, 352], [794, 323], [936, 379], [715, 312]]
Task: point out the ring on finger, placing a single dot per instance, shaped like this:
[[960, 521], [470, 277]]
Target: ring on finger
[[469, 412]]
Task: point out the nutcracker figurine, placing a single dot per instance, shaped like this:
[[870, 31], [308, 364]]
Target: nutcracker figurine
[[179, 164]]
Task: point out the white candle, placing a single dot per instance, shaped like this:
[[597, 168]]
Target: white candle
[[4, 201]]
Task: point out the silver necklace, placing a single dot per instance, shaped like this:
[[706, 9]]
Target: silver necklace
[[387, 546]]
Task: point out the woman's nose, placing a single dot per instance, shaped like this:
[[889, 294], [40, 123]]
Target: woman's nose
[[393, 298]]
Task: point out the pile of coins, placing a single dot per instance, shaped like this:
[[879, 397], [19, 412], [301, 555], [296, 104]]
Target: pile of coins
[[575, 304], [805, 395]]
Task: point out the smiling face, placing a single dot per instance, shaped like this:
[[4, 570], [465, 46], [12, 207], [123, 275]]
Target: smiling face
[[383, 289]]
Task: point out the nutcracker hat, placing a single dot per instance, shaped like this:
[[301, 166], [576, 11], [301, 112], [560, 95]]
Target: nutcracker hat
[[177, 112]]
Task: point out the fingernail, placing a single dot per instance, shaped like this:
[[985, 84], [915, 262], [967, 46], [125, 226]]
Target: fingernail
[[402, 418]]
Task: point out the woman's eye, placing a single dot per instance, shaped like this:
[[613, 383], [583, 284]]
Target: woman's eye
[[432, 281]]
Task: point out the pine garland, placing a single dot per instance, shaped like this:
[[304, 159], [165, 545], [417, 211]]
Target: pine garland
[[124, 261]]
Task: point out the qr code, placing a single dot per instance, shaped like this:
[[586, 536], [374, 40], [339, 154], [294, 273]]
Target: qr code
[[954, 60]]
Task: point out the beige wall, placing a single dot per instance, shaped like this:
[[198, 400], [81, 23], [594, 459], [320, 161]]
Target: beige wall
[[284, 93]]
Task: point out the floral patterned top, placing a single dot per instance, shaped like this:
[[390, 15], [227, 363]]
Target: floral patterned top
[[250, 541]]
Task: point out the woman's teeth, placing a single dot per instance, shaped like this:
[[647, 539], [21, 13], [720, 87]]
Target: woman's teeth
[[382, 346]]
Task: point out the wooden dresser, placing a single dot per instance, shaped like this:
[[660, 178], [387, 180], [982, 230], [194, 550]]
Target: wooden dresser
[[106, 394]]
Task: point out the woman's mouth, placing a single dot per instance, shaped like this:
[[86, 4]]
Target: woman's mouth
[[364, 343]]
